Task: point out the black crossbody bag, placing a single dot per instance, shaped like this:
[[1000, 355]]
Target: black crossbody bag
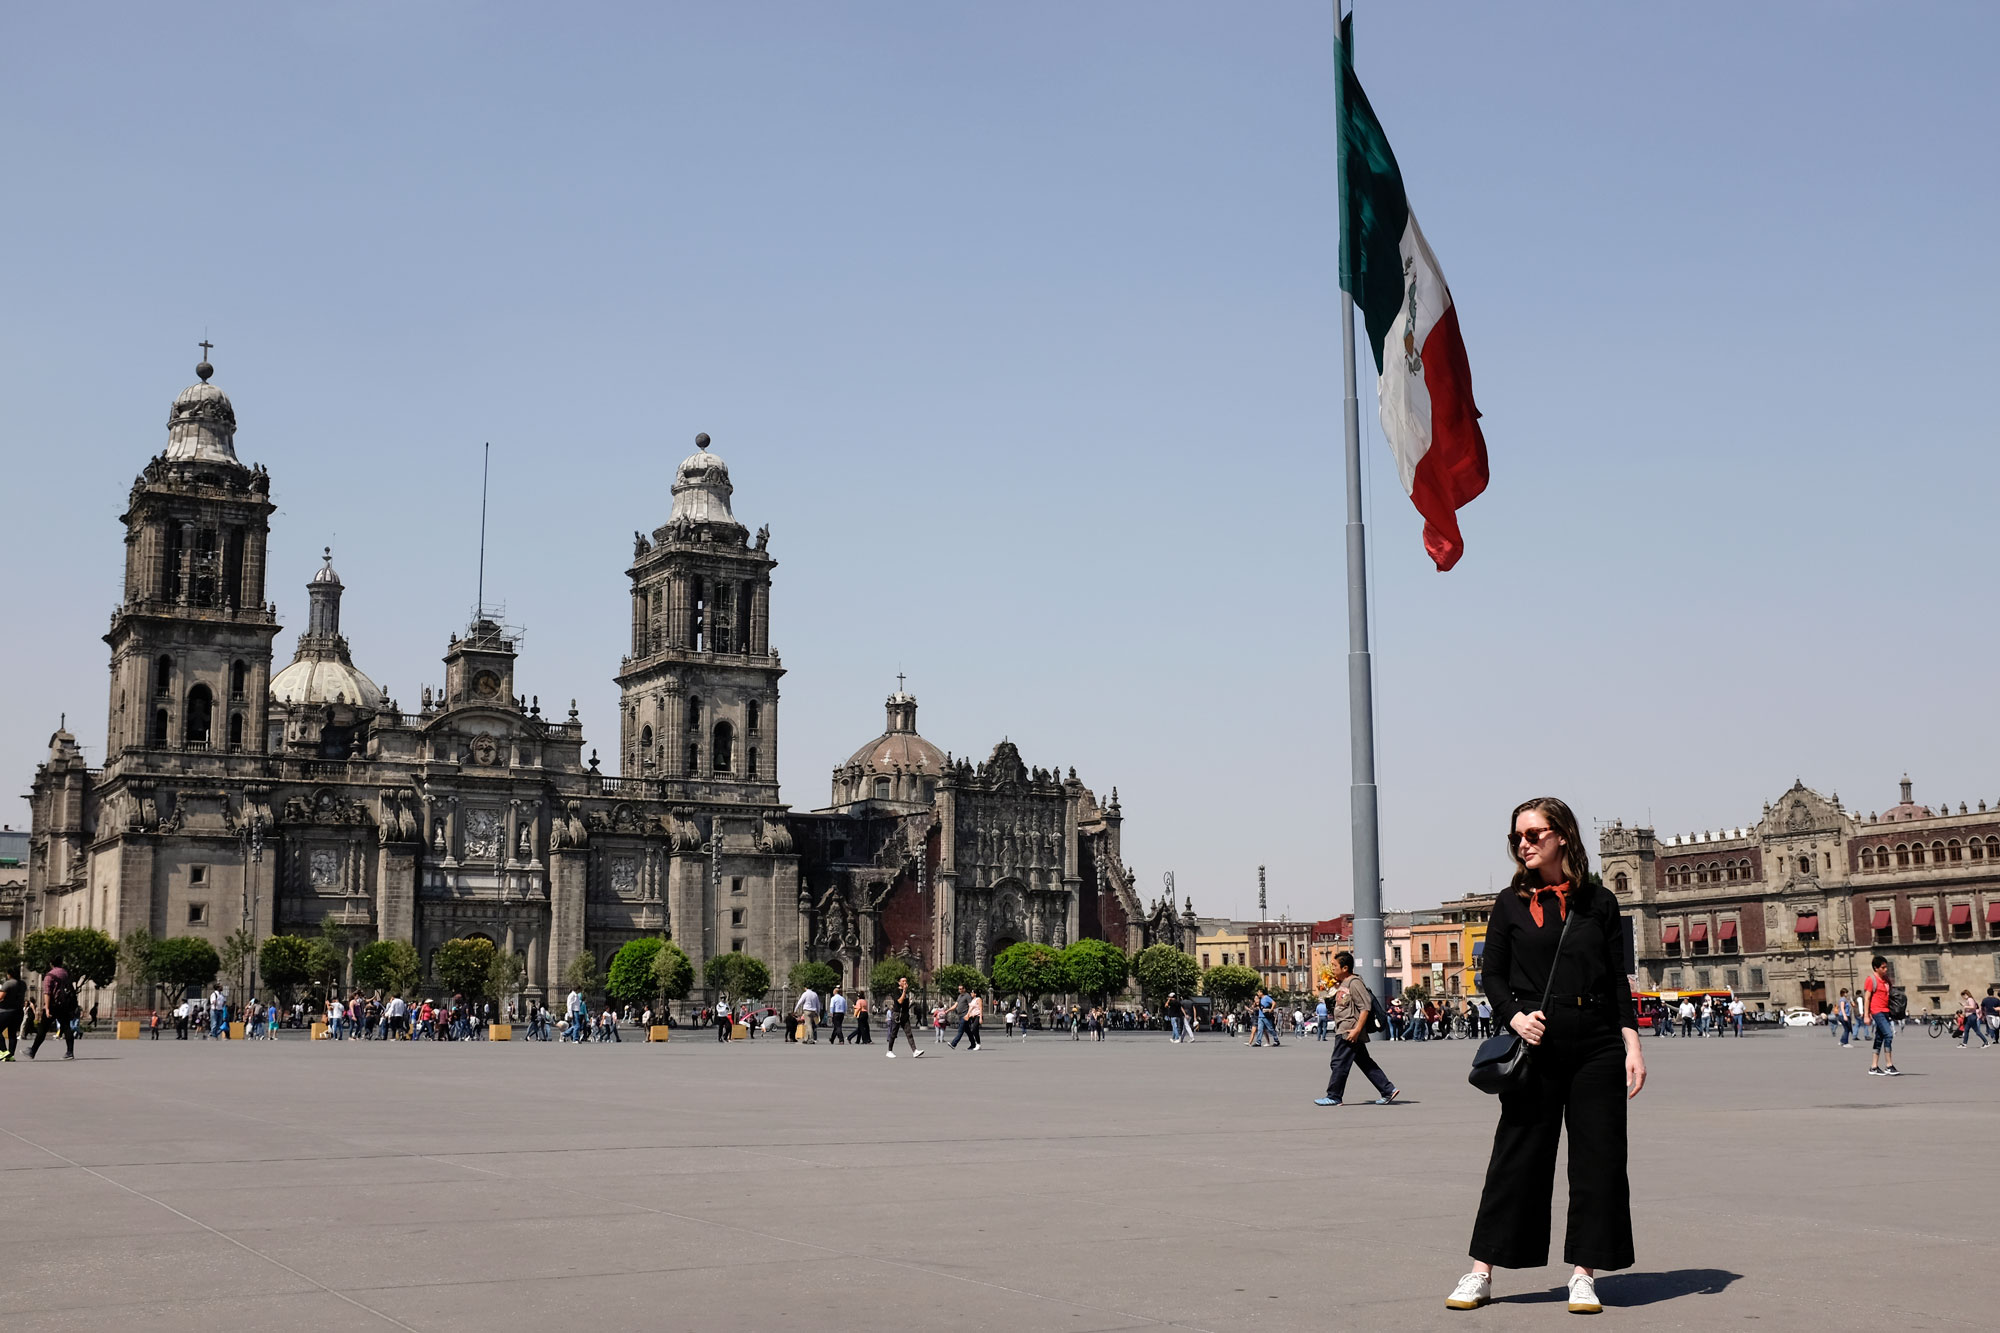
[[1501, 1062]]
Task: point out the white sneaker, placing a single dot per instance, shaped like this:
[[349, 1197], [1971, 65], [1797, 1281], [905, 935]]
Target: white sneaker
[[1583, 1294], [1473, 1290], [919, 1054], [892, 1055]]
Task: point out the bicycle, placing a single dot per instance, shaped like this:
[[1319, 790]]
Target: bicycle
[[1938, 1025]]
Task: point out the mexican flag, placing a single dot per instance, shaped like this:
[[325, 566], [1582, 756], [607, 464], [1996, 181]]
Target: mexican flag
[[1424, 383]]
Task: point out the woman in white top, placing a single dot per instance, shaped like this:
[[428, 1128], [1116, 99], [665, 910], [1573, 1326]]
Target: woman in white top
[[973, 1010]]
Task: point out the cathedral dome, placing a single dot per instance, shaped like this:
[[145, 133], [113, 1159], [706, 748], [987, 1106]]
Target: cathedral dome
[[701, 488], [900, 747], [202, 425], [325, 680]]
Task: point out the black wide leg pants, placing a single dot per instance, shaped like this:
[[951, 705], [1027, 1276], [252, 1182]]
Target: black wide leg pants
[[1576, 1076]]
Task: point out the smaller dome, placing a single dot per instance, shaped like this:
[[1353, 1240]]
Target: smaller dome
[[325, 574], [702, 488], [202, 425], [900, 747], [319, 680]]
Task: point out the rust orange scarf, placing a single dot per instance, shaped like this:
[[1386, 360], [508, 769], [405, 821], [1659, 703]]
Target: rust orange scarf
[[1561, 891]]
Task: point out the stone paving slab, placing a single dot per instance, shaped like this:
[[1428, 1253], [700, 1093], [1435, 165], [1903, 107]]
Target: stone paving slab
[[1045, 1184]]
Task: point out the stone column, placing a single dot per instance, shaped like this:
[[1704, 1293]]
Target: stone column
[[396, 892]]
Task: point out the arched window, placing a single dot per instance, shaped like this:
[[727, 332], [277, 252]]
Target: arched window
[[200, 711], [236, 731], [881, 789], [1952, 851], [163, 675], [750, 763], [238, 675], [159, 732], [1993, 849], [646, 742], [724, 745], [1619, 881], [1805, 865], [1973, 849], [1937, 853], [1867, 858], [751, 715], [694, 758], [1902, 853]]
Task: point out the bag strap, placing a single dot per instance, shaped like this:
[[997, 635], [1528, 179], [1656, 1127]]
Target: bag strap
[[1549, 988]]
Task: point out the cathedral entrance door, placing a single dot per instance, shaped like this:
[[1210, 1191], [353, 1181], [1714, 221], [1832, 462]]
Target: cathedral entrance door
[[1812, 994]]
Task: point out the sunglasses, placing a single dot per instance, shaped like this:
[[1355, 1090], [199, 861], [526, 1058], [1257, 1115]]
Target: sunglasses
[[1532, 837]]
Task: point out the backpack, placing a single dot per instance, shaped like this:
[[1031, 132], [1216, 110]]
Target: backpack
[[1899, 1003], [62, 996], [1378, 1018]]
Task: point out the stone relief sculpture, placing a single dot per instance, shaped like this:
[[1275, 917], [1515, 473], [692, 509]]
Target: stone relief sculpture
[[482, 834]]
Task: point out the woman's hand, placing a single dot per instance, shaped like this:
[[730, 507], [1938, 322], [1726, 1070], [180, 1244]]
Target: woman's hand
[[1530, 1026], [1635, 1065]]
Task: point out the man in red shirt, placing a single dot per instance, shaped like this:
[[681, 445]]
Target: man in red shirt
[[1875, 1001]]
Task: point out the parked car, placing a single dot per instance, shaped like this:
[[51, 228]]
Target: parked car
[[1800, 1018]]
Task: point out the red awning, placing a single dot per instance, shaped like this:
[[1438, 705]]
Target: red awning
[[1727, 931], [1672, 934], [1961, 914], [1993, 914], [1698, 931], [1926, 916], [1881, 918], [1809, 924]]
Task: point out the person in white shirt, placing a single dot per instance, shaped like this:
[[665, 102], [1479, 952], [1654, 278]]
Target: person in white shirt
[[1687, 1018], [1736, 1016], [837, 1007], [808, 1012], [573, 1007]]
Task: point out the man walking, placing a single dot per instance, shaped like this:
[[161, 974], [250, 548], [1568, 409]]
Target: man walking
[[1351, 1007], [900, 1019], [1875, 1000], [58, 1007], [13, 1003], [961, 1010], [1320, 1017], [1173, 1018], [1736, 1014], [837, 1007], [1843, 1017], [808, 1012]]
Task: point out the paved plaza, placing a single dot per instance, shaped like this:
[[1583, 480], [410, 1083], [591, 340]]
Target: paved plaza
[[1040, 1185]]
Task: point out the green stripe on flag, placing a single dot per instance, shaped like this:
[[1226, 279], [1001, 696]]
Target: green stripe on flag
[[1376, 210]]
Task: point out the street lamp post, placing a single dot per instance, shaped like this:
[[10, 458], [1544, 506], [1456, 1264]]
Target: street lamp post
[[253, 841]]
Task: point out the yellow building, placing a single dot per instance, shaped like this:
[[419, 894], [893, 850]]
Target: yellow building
[[1215, 950]]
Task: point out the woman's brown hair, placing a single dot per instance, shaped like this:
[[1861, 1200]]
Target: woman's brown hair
[[1576, 858]]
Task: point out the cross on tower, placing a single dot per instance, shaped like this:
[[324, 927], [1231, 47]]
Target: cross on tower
[[899, 682], [206, 347]]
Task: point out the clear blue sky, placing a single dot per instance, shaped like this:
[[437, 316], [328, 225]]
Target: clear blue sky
[[1018, 326]]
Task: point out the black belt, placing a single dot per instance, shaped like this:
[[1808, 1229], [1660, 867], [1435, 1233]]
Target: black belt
[[1575, 1001]]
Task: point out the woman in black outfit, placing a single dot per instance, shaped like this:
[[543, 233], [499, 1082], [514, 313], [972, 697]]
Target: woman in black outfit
[[1586, 1064]]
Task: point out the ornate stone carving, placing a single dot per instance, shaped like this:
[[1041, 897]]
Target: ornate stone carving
[[482, 834]]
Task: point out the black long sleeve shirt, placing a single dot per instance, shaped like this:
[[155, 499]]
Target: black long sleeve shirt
[[1515, 966]]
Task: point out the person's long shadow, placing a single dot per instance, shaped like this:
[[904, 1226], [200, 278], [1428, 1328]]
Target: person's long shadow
[[1625, 1289], [1632, 1289]]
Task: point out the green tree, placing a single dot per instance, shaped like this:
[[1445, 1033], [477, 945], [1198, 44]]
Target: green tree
[[947, 979], [390, 966], [503, 977], [822, 977], [135, 978], [1229, 985], [581, 974], [1162, 970], [461, 965], [673, 971], [882, 981], [1029, 969], [184, 963], [237, 950], [737, 975], [630, 976], [324, 963], [285, 963], [10, 955], [89, 954], [1095, 967]]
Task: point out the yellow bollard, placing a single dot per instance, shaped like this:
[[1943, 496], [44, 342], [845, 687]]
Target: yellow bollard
[[128, 1029], [499, 1032], [658, 1032]]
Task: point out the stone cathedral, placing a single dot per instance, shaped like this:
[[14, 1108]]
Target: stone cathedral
[[233, 795]]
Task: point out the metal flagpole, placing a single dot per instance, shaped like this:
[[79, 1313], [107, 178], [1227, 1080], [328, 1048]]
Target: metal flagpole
[[1366, 827]]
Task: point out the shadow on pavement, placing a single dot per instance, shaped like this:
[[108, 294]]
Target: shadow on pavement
[[1625, 1289]]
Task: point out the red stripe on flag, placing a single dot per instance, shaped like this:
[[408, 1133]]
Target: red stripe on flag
[[1453, 471]]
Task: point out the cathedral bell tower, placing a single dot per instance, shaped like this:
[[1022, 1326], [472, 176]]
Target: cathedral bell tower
[[699, 690], [191, 639]]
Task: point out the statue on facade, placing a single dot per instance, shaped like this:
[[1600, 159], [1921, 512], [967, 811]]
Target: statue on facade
[[763, 536]]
